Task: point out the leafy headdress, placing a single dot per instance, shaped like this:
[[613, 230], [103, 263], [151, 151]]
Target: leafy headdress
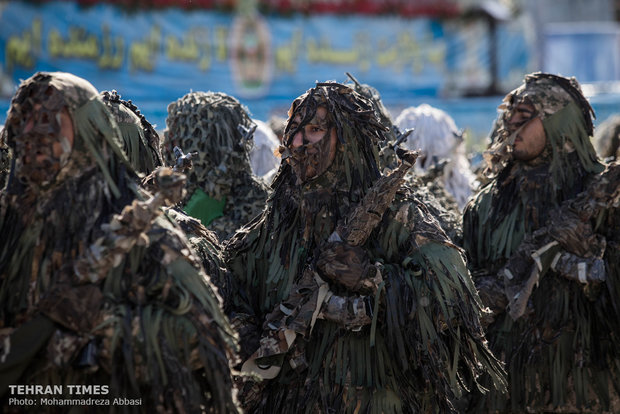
[[211, 124], [357, 129], [95, 131], [567, 119]]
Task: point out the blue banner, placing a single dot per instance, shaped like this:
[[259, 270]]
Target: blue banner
[[153, 57]]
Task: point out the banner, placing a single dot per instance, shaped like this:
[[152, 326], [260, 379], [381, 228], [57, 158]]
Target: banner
[[154, 57]]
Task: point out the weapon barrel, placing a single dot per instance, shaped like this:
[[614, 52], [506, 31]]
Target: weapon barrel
[[365, 217]]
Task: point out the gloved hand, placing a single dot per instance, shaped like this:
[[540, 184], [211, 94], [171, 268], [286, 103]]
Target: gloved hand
[[582, 269], [348, 266]]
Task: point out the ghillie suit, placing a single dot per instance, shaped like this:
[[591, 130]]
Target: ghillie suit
[[142, 146], [222, 192], [427, 187], [262, 158], [440, 142], [96, 286], [607, 139], [559, 348], [207, 248], [140, 140], [389, 323]]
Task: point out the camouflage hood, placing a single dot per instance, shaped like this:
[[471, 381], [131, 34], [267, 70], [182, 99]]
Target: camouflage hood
[[95, 134], [373, 95], [140, 140], [211, 124], [567, 119], [355, 166]]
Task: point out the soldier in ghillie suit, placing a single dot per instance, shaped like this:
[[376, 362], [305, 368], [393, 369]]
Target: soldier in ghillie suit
[[542, 236], [141, 144], [140, 140], [263, 159], [221, 190], [607, 139], [96, 287], [442, 148], [365, 304]]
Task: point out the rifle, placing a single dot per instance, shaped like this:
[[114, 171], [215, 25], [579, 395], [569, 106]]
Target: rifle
[[247, 133], [298, 313], [183, 161], [128, 228]]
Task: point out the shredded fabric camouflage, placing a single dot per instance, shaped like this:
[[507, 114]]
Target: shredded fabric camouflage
[[140, 140], [5, 160], [398, 332], [549, 94], [427, 188], [442, 148], [545, 261], [221, 190], [96, 286]]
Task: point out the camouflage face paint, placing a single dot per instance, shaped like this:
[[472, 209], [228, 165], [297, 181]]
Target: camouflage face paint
[[310, 139], [43, 136]]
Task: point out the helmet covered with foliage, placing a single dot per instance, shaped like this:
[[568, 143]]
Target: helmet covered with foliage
[[567, 119], [211, 124]]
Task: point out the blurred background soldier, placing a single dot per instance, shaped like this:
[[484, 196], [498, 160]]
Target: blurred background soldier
[[441, 143], [262, 157], [143, 148], [543, 239], [96, 287], [222, 191], [607, 139], [277, 125], [365, 304]]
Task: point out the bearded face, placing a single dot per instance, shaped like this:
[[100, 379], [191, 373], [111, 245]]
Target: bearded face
[[41, 136]]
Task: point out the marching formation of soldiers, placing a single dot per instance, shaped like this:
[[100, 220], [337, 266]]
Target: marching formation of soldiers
[[371, 271]]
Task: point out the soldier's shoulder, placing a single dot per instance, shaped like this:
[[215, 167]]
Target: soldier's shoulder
[[413, 213]]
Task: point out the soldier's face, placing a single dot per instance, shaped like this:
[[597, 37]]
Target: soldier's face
[[531, 139], [313, 144], [44, 144]]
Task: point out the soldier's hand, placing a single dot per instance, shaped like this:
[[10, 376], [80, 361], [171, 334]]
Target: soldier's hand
[[581, 269], [348, 266]]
